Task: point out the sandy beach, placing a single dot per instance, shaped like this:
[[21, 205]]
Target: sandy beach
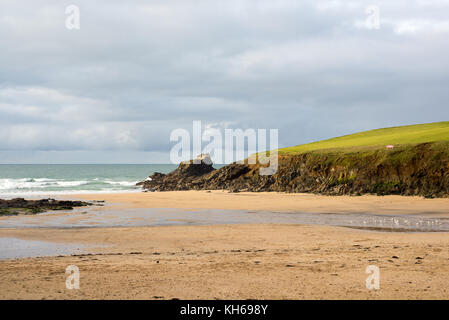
[[274, 201], [250, 261]]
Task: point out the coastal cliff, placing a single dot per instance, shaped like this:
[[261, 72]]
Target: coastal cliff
[[421, 169]]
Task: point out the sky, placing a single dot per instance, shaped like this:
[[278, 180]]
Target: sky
[[113, 90]]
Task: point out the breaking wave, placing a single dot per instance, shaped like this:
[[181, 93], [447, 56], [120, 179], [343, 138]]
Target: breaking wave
[[47, 185]]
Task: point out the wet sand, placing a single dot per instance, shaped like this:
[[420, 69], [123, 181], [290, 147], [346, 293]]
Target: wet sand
[[143, 217], [248, 261]]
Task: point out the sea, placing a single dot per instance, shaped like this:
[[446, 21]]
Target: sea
[[34, 180]]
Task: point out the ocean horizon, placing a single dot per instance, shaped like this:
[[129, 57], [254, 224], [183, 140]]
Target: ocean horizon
[[28, 180]]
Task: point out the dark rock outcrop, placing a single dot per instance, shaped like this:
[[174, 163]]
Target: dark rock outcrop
[[184, 177], [409, 170], [22, 206]]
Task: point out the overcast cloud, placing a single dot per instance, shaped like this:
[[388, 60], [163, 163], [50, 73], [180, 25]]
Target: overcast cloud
[[115, 89]]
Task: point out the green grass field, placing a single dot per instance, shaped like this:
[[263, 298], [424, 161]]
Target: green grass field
[[379, 138]]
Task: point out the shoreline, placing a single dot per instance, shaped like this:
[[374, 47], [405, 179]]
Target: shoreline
[[239, 261]]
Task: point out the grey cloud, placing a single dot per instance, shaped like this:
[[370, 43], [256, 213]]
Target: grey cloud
[[137, 70]]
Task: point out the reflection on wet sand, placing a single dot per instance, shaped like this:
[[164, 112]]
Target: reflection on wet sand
[[138, 217], [12, 248]]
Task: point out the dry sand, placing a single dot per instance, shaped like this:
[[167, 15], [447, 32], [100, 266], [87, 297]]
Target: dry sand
[[239, 261], [273, 201]]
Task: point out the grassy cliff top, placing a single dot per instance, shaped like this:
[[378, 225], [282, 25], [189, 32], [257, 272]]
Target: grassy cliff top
[[379, 138]]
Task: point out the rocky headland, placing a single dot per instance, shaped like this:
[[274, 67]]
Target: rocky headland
[[421, 169]]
